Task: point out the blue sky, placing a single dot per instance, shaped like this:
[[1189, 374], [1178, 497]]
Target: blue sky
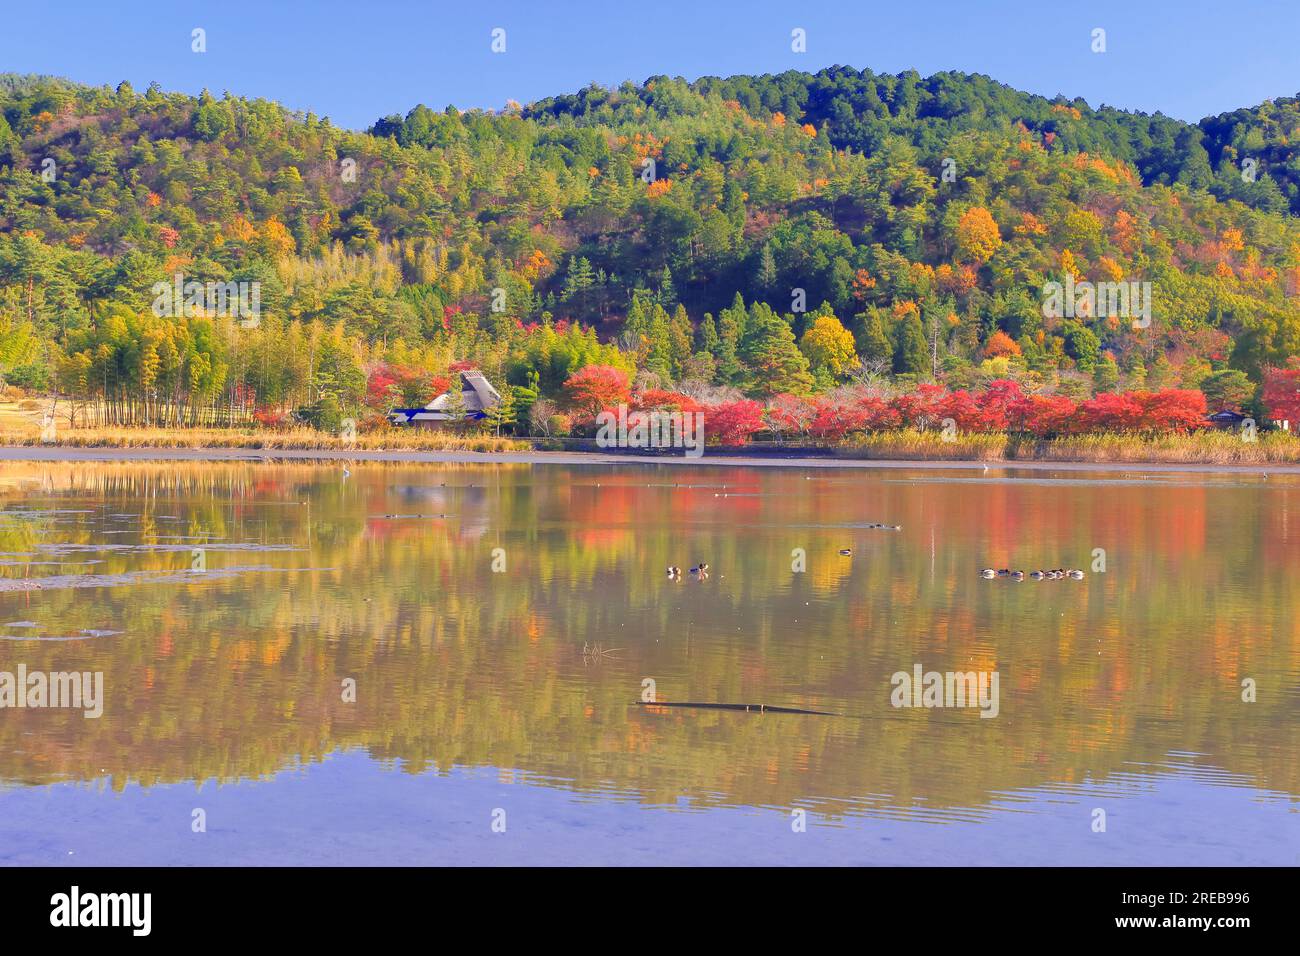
[[356, 61]]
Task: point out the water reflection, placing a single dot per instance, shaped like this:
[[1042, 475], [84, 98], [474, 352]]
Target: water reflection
[[386, 577]]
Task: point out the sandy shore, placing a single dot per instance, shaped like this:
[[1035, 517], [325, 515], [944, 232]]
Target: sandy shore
[[56, 453]]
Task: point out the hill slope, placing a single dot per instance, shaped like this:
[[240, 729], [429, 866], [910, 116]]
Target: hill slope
[[924, 214]]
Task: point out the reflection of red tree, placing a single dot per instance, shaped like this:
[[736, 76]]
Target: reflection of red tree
[[607, 515], [1277, 538], [1186, 534], [605, 536]]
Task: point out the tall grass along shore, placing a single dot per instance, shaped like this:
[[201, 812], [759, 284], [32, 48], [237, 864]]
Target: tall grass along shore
[[1205, 447]]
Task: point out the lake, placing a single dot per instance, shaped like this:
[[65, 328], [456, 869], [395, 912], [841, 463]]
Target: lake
[[450, 664]]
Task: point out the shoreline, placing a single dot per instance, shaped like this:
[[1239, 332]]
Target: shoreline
[[57, 453]]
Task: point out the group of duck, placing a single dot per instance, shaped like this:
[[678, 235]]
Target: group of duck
[[1054, 575], [701, 570]]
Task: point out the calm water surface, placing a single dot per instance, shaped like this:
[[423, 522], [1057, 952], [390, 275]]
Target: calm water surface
[[512, 695]]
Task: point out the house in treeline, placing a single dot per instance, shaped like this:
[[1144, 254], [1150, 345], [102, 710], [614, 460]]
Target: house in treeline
[[1226, 419], [470, 403]]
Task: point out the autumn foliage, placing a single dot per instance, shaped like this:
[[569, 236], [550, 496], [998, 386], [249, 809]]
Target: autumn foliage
[[595, 388], [1001, 344], [733, 423], [1001, 407], [977, 235], [1281, 395], [389, 386], [664, 400]]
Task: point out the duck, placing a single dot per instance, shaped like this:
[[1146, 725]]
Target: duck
[[1075, 573], [1038, 575], [846, 551], [988, 573], [674, 572], [1003, 572], [1017, 575]]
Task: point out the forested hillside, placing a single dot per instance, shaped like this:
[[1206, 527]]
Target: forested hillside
[[764, 235]]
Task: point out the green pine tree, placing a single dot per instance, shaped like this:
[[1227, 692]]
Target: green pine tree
[[580, 278], [706, 336], [731, 328], [1105, 374], [871, 337], [680, 333], [770, 351], [637, 325], [659, 354], [911, 353], [766, 278], [504, 414], [667, 294]]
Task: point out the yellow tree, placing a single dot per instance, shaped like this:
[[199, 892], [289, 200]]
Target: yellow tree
[[829, 345], [977, 235]]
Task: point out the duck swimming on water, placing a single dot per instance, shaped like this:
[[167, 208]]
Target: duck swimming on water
[[674, 572], [988, 573], [846, 551]]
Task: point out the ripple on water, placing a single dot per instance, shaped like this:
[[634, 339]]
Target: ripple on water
[[57, 582], [86, 634]]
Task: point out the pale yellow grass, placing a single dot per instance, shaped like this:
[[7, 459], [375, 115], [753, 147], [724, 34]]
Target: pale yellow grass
[[1206, 447], [293, 438]]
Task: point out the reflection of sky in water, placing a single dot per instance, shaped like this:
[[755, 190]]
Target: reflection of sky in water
[[350, 811]]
